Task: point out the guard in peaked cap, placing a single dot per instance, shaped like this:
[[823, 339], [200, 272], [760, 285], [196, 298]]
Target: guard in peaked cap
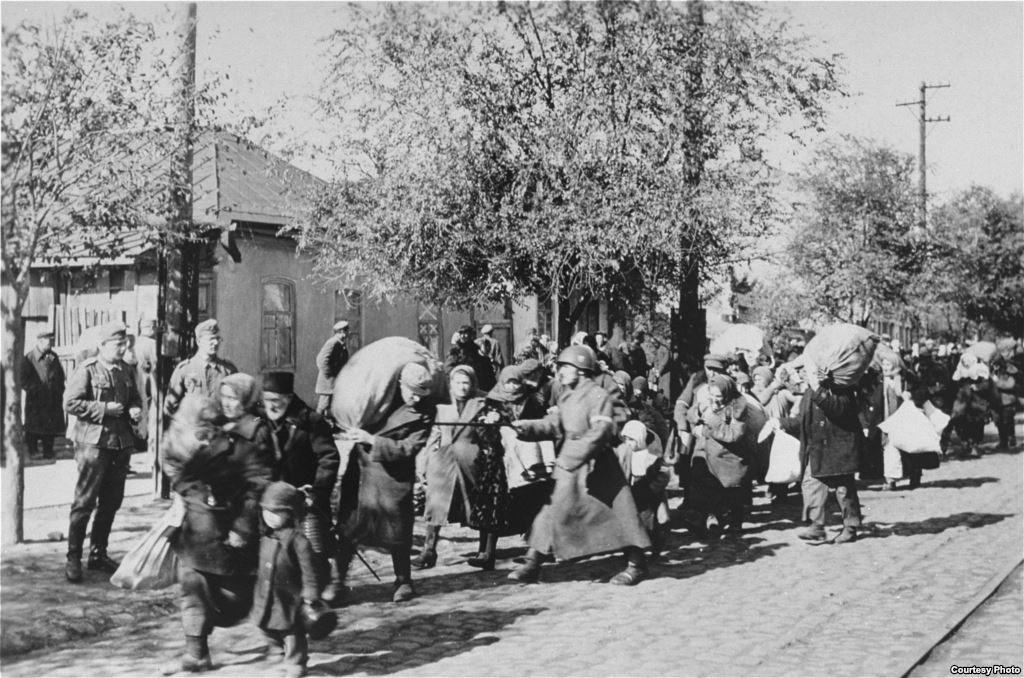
[[207, 328], [113, 331], [202, 373]]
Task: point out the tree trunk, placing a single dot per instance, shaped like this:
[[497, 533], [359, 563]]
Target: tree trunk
[[12, 485]]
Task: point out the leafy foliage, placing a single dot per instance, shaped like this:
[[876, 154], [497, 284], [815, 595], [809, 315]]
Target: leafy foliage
[[854, 246], [492, 151]]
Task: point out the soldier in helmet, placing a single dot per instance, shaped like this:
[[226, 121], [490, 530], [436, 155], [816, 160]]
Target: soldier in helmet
[[202, 373], [103, 395], [604, 518]]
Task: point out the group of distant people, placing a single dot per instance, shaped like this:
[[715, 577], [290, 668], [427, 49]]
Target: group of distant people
[[573, 448]]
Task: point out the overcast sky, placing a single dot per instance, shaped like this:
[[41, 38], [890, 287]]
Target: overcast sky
[[271, 50]]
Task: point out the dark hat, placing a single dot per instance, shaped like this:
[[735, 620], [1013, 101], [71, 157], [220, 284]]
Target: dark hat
[[282, 496], [207, 328], [279, 382], [340, 325], [114, 331], [467, 329]]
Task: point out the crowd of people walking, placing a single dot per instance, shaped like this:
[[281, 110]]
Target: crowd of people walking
[[574, 448]]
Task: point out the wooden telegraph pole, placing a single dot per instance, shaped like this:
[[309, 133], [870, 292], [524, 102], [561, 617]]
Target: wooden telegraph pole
[[178, 256], [923, 120]]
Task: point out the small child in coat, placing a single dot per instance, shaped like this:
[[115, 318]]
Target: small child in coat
[[648, 477], [287, 578]]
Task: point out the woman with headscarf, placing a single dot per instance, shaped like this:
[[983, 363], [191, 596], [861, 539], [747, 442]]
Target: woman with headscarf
[[451, 453], [726, 450], [220, 477], [240, 401]]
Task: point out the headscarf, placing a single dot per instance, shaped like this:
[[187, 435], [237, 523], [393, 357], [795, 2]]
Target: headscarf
[[469, 372], [726, 386], [499, 393], [579, 339], [245, 389], [622, 377], [765, 373]]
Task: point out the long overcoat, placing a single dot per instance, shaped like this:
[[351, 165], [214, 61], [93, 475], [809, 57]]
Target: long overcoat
[[452, 454], [591, 509], [376, 507], [308, 455], [729, 441], [287, 575], [221, 484], [329, 361], [42, 377], [830, 433]]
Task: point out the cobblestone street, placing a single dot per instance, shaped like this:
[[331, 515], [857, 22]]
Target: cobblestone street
[[759, 603]]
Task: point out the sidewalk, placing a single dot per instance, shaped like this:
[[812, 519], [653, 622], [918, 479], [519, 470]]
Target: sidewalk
[[760, 603]]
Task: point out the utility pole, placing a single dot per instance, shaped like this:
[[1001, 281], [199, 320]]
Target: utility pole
[[178, 255], [923, 120]]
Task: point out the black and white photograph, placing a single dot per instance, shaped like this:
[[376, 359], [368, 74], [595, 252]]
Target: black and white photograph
[[614, 338]]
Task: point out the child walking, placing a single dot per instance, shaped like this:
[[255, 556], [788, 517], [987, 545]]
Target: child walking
[[287, 578]]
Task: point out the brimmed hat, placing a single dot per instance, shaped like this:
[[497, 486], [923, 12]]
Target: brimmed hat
[[44, 334], [486, 329], [716, 361], [114, 331], [279, 382], [340, 325]]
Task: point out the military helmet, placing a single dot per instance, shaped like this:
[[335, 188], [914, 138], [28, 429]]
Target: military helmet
[[580, 357]]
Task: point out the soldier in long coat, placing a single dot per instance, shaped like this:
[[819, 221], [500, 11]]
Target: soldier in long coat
[[591, 509], [42, 378], [451, 453], [376, 505]]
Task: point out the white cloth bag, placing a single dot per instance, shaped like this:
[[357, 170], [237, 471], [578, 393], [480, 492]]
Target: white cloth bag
[[784, 459]]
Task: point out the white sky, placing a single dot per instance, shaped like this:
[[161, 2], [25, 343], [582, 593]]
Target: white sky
[[271, 50]]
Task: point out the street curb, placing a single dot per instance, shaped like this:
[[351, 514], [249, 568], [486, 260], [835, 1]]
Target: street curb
[[957, 618]]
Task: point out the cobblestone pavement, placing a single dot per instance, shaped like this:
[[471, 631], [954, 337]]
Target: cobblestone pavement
[[760, 603], [994, 635]]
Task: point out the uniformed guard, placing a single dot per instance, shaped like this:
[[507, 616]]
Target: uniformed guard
[[329, 361], [591, 509], [202, 373], [103, 396]]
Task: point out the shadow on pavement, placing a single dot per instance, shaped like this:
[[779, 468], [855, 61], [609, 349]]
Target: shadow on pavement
[[931, 525], [414, 641], [956, 483]]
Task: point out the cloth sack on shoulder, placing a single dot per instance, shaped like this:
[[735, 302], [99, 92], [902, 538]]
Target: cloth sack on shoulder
[[937, 417], [784, 459], [910, 430], [843, 351], [153, 564]]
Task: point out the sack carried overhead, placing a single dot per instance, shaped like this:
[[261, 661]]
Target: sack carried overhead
[[368, 383], [153, 564], [910, 430], [784, 461], [843, 351]]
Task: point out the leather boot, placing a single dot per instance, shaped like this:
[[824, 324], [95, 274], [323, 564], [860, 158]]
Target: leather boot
[[636, 568], [849, 534], [428, 556], [403, 576], [99, 560], [485, 560], [196, 658], [73, 569], [812, 533]]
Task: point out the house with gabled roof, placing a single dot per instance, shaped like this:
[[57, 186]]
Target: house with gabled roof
[[274, 313]]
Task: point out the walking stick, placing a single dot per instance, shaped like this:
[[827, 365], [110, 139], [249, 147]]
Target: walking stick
[[363, 561]]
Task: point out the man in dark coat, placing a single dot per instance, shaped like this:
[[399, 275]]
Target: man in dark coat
[[466, 352], [376, 505], [591, 509], [306, 454], [831, 438], [329, 361], [103, 396], [490, 348], [42, 378]]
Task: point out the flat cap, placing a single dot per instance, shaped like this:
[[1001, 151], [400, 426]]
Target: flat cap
[[487, 329], [279, 382], [416, 378], [716, 361], [207, 328], [340, 325], [44, 334]]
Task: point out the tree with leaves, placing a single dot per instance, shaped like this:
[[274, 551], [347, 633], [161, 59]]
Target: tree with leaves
[[854, 247], [493, 151], [88, 130]]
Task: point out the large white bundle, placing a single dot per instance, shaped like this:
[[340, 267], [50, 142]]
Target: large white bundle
[[367, 385], [910, 430], [784, 462], [984, 351], [843, 351], [745, 339]]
